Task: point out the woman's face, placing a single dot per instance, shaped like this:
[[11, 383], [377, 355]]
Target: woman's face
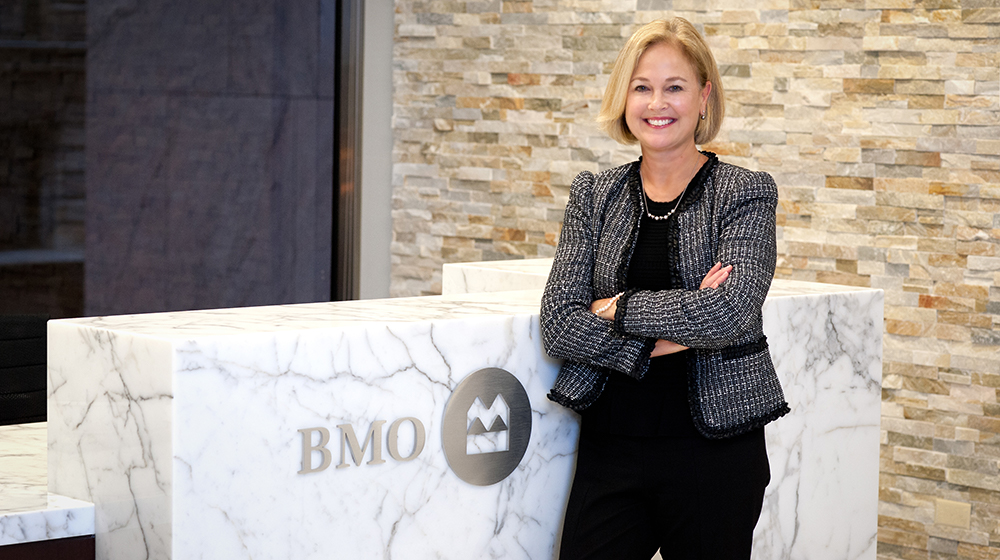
[[664, 100]]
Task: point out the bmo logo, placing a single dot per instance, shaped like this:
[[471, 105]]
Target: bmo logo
[[487, 425], [485, 433]]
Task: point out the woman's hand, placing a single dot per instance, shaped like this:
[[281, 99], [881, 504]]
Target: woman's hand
[[664, 347], [716, 276], [606, 306]]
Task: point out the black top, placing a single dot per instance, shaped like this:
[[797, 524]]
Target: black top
[[657, 405]]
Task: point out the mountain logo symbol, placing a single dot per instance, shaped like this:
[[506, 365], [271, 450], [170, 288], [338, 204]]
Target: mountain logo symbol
[[496, 438], [484, 444]]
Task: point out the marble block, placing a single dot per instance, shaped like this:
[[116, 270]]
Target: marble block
[[28, 513], [826, 343], [494, 276], [198, 434], [60, 517]]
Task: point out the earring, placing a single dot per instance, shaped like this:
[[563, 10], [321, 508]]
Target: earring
[[703, 116]]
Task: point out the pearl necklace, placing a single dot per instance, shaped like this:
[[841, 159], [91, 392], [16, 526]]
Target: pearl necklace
[[671, 213], [645, 207]]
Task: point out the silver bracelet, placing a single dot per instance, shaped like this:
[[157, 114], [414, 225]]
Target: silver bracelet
[[609, 304]]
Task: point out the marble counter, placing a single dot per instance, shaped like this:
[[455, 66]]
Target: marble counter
[[198, 434], [376, 428], [28, 513], [826, 343]]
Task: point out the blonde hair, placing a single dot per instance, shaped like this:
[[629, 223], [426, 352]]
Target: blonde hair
[[677, 32]]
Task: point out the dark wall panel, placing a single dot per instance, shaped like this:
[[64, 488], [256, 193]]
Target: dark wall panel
[[209, 155]]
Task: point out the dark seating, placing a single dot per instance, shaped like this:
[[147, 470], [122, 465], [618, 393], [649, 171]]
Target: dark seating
[[22, 368]]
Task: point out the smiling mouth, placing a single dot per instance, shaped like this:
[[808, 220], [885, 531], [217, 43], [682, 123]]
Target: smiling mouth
[[660, 122]]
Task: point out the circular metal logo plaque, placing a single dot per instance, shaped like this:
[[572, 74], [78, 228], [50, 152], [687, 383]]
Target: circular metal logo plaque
[[487, 424]]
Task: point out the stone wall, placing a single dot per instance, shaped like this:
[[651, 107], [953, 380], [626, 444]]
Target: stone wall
[[880, 121]]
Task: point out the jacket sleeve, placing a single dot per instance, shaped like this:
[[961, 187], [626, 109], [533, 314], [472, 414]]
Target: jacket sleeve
[[717, 318], [569, 330]]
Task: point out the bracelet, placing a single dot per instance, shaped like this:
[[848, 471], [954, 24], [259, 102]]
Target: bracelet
[[609, 304]]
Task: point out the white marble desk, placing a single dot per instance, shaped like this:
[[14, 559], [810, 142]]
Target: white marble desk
[[198, 434], [826, 342], [28, 512], [184, 430]]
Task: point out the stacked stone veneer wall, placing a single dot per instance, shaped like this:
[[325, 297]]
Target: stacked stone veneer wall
[[880, 121]]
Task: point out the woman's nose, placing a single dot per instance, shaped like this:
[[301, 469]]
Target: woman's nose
[[657, 101]]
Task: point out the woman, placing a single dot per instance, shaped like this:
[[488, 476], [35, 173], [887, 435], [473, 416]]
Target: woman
[[654, 301]]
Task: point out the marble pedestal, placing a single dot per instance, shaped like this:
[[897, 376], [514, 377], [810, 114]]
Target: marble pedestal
[[826, 343], [198, 434]]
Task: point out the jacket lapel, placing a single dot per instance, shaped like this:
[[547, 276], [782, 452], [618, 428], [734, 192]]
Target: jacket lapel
[[620, 227]]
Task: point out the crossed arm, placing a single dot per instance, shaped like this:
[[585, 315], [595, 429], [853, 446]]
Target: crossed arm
[[608, 306]]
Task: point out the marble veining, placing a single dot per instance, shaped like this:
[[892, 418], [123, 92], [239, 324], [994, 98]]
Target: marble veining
[[823, 497], [397, 509], [59, 517], [109, 435]]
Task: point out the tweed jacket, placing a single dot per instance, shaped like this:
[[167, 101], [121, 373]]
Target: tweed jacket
[[729, 217]]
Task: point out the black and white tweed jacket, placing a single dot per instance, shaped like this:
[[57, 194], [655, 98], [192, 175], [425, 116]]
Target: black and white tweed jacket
[[729, 218]]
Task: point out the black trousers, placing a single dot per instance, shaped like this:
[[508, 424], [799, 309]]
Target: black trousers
[[694, 499]]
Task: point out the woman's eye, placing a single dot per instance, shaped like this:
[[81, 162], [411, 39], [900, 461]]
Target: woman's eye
[[640, 88], [675, 88]]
